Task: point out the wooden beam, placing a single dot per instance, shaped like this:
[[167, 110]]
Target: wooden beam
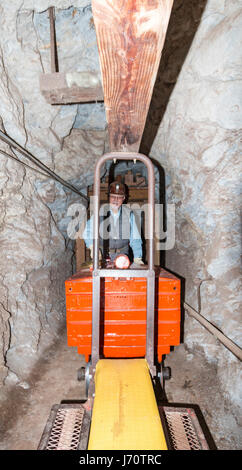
[[130, 37], [80, 253], [73, 87]]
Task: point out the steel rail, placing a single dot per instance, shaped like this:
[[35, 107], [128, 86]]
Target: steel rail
[[236, 350]]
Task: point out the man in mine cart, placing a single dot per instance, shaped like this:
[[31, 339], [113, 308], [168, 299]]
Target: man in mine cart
[[118, 233]]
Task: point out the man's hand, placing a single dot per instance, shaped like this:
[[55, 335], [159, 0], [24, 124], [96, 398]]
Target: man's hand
[[91, 253], [138, 261]]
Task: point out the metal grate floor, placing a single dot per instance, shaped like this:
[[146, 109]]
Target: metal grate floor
[[64, 428], [68, 428], [183, 429]]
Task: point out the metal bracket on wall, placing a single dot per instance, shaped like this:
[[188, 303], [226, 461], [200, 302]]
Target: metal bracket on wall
[[53, 48], [71, 87]]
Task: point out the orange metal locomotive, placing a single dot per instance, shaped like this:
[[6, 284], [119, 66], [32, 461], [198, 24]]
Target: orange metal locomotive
[[123, 314]]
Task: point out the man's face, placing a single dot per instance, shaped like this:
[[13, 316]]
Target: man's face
[[116, 201]]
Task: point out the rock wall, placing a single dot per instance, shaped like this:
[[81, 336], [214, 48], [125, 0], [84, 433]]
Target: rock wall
[[198, 144], [198, 96], [36, 254]]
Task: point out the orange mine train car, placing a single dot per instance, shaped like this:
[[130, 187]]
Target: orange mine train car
[[123, 314]]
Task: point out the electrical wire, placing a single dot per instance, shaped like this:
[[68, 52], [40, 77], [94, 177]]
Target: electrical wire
[[8, 140], [21, 163]]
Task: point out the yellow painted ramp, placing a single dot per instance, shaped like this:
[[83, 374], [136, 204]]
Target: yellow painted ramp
[[125, 413]]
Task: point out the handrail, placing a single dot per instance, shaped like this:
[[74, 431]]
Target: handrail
[[150, 273]]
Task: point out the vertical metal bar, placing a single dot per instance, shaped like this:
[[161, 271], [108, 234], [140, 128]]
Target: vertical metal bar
[[53, 50], [95, 277], [95, 318], [151, 218], [150, 302], [96, 206], [150, 319]]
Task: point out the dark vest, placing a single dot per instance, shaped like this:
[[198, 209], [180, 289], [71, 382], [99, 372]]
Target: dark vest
[[114, 238]]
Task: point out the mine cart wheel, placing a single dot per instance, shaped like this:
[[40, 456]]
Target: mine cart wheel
[[164, 374], [83, 375], [87, 378]]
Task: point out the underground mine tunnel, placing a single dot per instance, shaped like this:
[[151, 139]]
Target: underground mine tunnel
[[61, 110]]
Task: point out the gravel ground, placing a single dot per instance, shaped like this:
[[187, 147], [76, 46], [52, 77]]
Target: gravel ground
[[25, 407]]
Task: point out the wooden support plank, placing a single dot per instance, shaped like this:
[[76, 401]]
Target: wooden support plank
[[80, 253], [73, 87], [130, 36]]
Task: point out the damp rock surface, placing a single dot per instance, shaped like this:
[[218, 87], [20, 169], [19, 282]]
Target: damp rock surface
[[54, 379], [195, 119], [198, 144], [36, 253]]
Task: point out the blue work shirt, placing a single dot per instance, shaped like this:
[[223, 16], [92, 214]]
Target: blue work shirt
[[135, 241]]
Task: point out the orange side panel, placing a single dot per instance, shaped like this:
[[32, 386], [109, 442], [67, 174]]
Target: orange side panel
[[123, 314]]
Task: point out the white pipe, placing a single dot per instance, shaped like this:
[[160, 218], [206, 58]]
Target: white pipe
[[236, 350]]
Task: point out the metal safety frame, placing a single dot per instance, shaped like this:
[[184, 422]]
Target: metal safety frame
[[144, 272]]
